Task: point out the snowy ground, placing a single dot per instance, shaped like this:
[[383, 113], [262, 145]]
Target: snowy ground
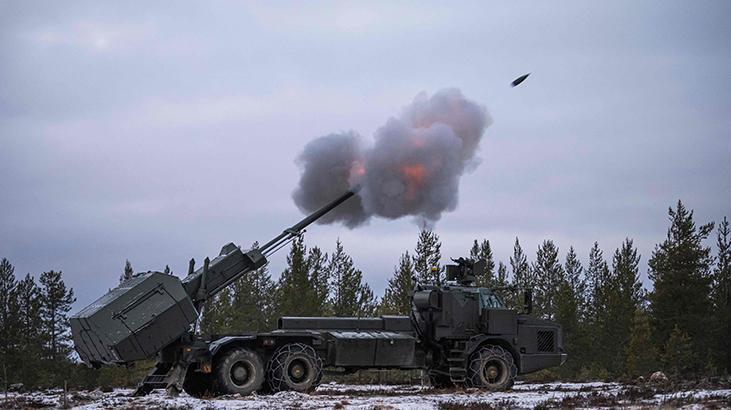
[[523, 395]]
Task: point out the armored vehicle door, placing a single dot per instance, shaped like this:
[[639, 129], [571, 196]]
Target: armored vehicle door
[[496, 318], [460, 313]]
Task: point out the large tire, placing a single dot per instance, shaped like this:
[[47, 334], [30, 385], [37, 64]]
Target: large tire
[[240, 371], [295, 366], [492, 368], [198, 384]]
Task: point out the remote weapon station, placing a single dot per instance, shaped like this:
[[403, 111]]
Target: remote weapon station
[[460, 334]]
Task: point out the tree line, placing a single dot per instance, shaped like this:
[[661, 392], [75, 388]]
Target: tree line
[[613, 328], [34, 328]]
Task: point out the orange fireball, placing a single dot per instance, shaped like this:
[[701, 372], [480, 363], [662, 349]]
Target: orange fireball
[[414, 173], [414, 176], [358, 169]]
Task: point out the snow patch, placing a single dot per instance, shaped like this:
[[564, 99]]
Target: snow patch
[[406, 397]]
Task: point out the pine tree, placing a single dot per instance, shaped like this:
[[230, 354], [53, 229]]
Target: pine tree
[[721, 295], [397, 298], [128, 272], [625, 265], [9, 325], [251, 301], [483, 251], [475, 250], [641, 351], [350, 296], [56, 301], [574, 271], [549, 275], [28, 299], [319, 272], [340, 264], [367, 301], [680, 269], [522, 275], [679, 359], [217, 310], [501, 280], [598, 319], [625, 296], [294, 295], [597, 278], [569, 305], [427, 256], [567, 314], [488, 277]]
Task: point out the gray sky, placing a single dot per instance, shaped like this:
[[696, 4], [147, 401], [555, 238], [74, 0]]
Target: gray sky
[[161, 131]]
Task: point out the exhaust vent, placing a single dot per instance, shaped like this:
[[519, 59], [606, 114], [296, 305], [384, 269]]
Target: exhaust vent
[[545, 341]]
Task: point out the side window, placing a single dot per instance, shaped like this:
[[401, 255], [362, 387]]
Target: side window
[[488, 300]]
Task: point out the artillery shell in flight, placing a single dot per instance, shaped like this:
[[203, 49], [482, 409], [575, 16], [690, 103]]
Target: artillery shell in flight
[[519, 80]]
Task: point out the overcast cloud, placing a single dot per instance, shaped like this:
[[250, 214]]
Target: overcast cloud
[[158, 132]]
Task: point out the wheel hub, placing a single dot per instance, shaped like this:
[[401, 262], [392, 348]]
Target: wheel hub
[[297, 371], [492, 372], [239, 373]]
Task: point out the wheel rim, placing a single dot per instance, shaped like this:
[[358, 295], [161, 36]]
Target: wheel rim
[[241, 373], [493, 371], [297, 370]]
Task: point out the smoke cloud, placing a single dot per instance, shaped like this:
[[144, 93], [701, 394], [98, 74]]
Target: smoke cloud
[[412, 167]]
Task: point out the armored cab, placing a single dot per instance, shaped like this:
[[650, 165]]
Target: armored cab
[[134, 320], [459, 311]]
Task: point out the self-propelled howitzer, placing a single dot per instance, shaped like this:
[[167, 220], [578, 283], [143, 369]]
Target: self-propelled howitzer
[[153, 312], [460, 334]]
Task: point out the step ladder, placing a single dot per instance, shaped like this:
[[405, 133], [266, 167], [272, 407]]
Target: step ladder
[[457, 363], [163, 376]]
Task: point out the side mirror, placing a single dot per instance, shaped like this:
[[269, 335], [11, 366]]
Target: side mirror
[[528, 301]]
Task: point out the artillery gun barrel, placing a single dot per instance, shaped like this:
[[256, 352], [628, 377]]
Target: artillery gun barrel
[[232, 262], [294, 230]]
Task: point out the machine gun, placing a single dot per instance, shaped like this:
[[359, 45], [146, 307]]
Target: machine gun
[[464, 273], [153, 313]]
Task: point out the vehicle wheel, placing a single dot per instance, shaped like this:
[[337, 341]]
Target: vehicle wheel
[[240, 371], [198, 384], [440, 381], [491, 367], [295, 366]]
